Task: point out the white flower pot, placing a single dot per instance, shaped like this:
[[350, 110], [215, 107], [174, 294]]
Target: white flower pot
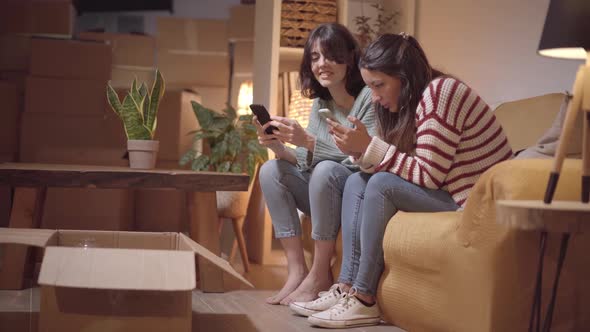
[[142, 153]]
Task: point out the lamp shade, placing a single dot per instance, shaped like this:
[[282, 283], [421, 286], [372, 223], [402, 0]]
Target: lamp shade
[[566, 33]]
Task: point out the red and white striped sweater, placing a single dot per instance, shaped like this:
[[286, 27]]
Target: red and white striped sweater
[[457, 139]]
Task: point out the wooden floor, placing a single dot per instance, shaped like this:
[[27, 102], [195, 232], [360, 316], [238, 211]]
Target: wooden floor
[[239, 309]]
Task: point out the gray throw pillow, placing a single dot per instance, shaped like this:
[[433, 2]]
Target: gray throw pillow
[[547, 145]]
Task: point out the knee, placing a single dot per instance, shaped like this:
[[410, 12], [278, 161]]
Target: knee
[[270, 170], [355, 181], [382, 182], [329, 171]]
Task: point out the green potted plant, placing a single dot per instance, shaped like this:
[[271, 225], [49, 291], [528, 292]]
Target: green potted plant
[[138, 111], [231, 139], [232, 146]]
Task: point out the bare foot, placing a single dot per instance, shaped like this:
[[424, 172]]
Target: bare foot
[[308, 289], [293, 280]]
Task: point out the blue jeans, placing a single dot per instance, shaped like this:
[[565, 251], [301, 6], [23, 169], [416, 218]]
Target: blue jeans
[[369, 201], [318, 194]]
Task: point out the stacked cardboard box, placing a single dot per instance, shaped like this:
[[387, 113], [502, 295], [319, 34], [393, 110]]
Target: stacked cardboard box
[[165, 210], [193, 52], [133, 56], [192, 56], [66, 120], [19, 21], [47, 18]]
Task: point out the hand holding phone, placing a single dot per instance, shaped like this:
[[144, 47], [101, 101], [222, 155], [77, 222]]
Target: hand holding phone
[[263, 117], [327, 114]]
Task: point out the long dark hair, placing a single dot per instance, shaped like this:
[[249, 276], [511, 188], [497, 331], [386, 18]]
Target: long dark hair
[[336, 44], [400, 56]]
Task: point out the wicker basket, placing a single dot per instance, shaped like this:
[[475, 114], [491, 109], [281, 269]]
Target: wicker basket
[[299, 17]]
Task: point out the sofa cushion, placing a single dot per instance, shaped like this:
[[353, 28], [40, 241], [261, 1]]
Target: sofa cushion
[[525, 120]]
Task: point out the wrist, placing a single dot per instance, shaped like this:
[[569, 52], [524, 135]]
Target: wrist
[[309, 142]]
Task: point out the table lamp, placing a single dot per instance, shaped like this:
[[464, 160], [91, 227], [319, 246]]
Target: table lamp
[[566, 35]]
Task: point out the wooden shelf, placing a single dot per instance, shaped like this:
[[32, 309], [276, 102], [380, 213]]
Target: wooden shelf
[[289, 59]]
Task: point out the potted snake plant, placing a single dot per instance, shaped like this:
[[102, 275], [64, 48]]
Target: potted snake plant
[[138, 112]]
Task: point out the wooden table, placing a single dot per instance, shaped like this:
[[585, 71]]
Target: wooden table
[[32, 180], [564, 217]]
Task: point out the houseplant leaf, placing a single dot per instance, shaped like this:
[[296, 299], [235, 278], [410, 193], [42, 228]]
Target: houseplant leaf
[[204, 115], [201, 163], [155, 97], [187, 157], [113, 100], [224, 167], [132, 120], [143, 91], [236, 168]]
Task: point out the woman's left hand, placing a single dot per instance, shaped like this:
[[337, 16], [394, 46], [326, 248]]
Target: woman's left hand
[[351, 141], [290, 131]]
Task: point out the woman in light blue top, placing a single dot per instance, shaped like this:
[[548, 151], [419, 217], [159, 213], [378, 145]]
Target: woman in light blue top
[[311, 177]]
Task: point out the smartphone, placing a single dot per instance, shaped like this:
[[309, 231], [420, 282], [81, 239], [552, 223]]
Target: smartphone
[[263, 117], [327, 114]]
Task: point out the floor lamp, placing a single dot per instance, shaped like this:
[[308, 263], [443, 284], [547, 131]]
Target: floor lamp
[[566, 35]]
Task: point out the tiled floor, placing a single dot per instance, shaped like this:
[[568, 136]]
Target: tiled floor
[[240, 309]]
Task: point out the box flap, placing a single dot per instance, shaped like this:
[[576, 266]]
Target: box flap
[[122, 269], [31, 237], [186, 243]]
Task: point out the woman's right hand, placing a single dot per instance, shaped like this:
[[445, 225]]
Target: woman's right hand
[[266, 140]]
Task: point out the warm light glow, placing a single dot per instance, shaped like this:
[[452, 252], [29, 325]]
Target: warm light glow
[[565, 53], [245, 98]]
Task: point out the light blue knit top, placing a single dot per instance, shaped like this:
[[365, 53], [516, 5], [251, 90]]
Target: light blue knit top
[[325, 147]]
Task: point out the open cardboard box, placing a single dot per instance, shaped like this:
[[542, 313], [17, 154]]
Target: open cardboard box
[[115, 281]]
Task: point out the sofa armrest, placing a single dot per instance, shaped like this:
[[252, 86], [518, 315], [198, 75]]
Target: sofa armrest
[[524, 179]]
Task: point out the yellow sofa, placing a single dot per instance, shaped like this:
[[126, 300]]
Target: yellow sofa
[[461, 271]]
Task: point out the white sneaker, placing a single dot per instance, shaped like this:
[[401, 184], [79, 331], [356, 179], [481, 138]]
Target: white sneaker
[[348, 312], [325, 301]]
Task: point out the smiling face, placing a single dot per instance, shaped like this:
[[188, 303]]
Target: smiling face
[[326, 71], [385, 89]]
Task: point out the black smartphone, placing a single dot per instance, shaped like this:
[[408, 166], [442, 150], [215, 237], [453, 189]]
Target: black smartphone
[[263, 117]]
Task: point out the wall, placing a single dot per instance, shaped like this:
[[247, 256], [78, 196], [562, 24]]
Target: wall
[[492, 46]]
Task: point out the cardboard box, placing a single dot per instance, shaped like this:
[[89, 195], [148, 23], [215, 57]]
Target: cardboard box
[[46, 18], [128, 49], [89, 209], [5, 196], [42, 131], [241, 22], [72, 59], [243, 57], [211, 97], [191, 34], [9, 117], [116, 281], [122, 76], [19, 79], [64, 96], [188, 69], [15, 52], [161, 210], [175, 120]]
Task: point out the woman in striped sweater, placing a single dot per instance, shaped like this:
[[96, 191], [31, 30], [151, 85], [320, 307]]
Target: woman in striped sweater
[[436, 136], [312, 176]]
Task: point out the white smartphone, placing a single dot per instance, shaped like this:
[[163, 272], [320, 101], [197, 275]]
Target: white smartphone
[[327, 114]]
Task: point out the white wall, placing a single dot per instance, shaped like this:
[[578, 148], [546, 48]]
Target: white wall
[[491, 45]]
